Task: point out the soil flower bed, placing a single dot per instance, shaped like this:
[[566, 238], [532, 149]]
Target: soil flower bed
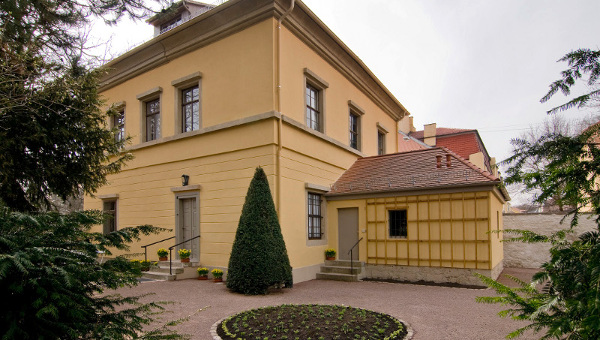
[[314, 322]]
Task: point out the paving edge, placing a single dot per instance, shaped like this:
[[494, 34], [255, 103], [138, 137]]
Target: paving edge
[[215, 336]]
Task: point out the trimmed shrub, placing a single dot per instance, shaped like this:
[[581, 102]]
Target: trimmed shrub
[[259, 257]]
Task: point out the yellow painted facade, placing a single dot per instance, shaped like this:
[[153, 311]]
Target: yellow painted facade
[[451, 230], [247, 121], [240, 130]]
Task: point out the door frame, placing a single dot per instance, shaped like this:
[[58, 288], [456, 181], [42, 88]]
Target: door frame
[[343, 253], [178, 221]]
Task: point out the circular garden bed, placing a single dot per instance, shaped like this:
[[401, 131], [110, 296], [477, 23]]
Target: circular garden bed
[[314, 322]]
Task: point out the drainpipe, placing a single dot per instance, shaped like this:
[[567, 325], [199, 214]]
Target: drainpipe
[[278, 95]]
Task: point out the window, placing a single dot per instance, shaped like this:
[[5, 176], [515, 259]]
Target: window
[[190, 109], [119, 125], [380, 142], [313, 104], [153, 119], [398, 223], [110, 210], [314, 100], [354, 125], [170, 24], [315, 216]]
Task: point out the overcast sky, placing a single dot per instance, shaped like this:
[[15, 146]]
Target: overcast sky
[[476, 64]]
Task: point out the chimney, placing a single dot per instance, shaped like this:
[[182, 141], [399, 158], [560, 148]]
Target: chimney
[[429, 133], [439, 161], [448, 160]]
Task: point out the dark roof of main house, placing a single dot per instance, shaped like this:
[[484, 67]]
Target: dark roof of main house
[[410, 171]]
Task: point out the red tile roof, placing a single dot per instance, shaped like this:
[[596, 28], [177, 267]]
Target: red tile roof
[[464, 142], [407, 143], [406, 171]]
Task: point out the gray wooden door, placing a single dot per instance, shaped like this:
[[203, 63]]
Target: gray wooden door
[[347, 233], [188, 227]]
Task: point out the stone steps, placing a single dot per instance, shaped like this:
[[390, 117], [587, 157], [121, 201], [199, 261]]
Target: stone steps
[[341, 270], [179, 271]]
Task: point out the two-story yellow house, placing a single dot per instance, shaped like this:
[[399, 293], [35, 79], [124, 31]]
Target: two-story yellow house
[[248, 83]]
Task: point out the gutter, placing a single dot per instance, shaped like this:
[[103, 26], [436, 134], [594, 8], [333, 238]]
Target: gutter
[[278, 96]]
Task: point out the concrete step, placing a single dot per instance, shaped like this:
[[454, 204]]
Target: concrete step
[[175, 270], [337, 277], [343, 263], [177, 264], [159, 276], [341, 270]]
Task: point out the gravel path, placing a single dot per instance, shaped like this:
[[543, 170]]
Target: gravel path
[[433, 312]]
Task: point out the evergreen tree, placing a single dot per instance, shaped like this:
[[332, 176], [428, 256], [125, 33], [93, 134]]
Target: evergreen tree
[[51, 282], [567, 306], [54, 142], [259, 257]]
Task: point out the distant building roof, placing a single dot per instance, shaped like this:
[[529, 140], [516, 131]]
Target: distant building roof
[[439, 132], [413, 170], [408, 143], [464, 142]]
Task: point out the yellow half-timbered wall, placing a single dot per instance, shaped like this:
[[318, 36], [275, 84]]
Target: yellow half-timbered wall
[[444, 230], [450, 230]]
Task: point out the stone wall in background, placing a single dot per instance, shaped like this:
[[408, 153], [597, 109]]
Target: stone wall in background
[[522, 255]]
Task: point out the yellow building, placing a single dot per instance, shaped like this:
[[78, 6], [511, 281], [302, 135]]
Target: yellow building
[[244, 84]]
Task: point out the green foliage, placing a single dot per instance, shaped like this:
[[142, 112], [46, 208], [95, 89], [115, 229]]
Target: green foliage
[[52, 286], [259, 257], [580, 62], [202, 271], [51, 119], [330, 252], [217, 273], [562, 301]]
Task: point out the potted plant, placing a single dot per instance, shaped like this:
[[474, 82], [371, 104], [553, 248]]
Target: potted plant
[[217, 275], [163, 254], [202, 273], [330, 254], [184, 254]]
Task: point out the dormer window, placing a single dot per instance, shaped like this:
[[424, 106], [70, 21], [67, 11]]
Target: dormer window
[[171, 24]]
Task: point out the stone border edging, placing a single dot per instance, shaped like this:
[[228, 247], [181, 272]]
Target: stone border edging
[[215, 336]]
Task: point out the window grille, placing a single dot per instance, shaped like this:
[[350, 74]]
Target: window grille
[[314, 216], [398, 223]]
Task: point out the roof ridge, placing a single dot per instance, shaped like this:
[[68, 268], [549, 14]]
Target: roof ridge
[[400, 153]]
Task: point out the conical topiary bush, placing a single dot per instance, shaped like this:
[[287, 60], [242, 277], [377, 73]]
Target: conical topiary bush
[[259, 257]]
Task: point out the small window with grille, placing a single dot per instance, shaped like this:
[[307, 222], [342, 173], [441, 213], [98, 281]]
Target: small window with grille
[[315, 216], [398, 223]]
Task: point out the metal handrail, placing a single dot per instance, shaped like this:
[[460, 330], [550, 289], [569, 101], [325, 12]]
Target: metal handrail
[[171, 252], [351, 257], [151, 244]]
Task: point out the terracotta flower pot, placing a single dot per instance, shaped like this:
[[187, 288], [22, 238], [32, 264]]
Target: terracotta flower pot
[[330, 258], [218, 279], [203, 277], [163, 258], [185, 260]]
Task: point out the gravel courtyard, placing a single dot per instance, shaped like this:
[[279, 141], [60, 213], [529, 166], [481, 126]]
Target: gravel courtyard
[[433, 312]]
